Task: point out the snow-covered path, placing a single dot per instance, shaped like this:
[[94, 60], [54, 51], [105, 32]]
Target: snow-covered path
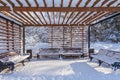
[[62, 70]]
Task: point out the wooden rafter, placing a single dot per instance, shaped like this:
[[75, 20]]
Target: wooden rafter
[[98, 17], [67, 12], [7, 14], [28, 17], [80, 17], [38, 17], [19, 3], [31, 15], [43, 17], [45, 4], [77, 22], [90, 12], [78, 3], [88, 1], [23, 17], [60, 12], [3, 3]]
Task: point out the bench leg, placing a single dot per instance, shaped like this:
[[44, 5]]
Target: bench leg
[[100, 62], [91, 58], [23, 63]]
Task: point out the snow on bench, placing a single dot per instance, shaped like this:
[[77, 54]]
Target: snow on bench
[[18, 58], [107, 56]]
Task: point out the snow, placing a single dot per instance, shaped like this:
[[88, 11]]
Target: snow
[[62, 70]]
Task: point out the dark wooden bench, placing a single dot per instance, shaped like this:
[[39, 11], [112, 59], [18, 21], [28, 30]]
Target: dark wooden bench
[[107, 56], [60, 52], [12, 57]]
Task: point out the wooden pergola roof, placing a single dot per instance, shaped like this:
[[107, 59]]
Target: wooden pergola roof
[[58, 12]]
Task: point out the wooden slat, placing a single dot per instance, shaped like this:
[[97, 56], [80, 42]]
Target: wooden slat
[[78, 3], [79, 21], [88, 1], [80, 16], [33, 18], [27, 1], [19, 3], [38, 17], [43, 17], [28, 17], [12, 17], [23, 16], [11, 3], [104, 2], [60, 12], [98, 17], [70, 2], [112, 2], [21, 19], [36, 3], [3, 3], [97, 1]]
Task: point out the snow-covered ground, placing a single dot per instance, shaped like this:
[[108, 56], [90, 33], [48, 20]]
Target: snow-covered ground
[[62, 70]]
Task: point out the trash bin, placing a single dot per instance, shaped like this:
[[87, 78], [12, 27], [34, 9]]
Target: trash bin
[[91, 51], [29, 51]]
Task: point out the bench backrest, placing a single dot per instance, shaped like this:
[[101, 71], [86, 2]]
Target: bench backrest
[[110, 53], [7, 54], [59, 50]]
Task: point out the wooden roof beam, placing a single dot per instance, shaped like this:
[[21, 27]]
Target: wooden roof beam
[[45, 25], [59, 9]]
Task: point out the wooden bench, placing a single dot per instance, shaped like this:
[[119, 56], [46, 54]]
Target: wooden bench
[[107, 56], [60, 52], [72, 53], [13, 57]]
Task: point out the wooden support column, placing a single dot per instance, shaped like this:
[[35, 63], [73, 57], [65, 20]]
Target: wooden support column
[[63, 36], [83, 38], [13, 45], [23, 40], [88, 37], [7, 36], [71, 37], [20, 39], [52, 37]]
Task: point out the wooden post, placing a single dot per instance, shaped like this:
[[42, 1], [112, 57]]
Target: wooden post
[[71, 37], [88, 37], [7, 36], [13, 37], [83, 38], [23, 39], [63, 36], [20, 40], [52, 37]]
